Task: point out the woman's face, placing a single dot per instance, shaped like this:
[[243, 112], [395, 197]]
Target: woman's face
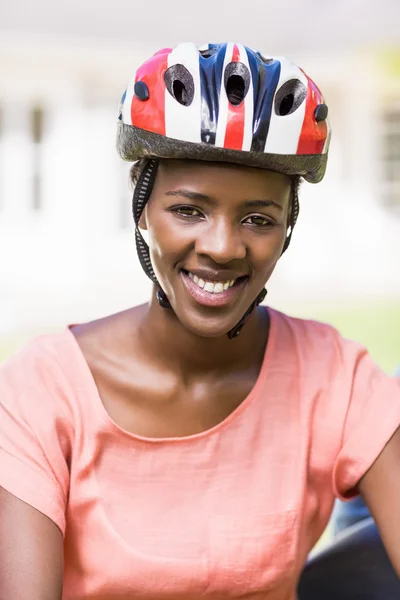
[[216, 232]]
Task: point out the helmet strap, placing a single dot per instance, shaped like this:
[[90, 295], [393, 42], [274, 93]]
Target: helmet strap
[[162, 299], [141, 195], [294, 213], [235, 332]]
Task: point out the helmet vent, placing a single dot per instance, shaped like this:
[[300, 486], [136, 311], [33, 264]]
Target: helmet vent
[[180, 84], [235, 89], [237, 82], [286, 105], [180, 93], [208, 52], [266, 61], [289, 97]]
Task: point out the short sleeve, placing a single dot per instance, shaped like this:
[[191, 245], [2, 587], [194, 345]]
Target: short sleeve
[[34, 432], [372, 417]]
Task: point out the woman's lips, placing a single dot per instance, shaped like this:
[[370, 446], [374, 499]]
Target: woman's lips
[[209, 298]]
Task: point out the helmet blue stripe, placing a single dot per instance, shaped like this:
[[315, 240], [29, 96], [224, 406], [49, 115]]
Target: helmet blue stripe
[[265, 81], [211, 81]]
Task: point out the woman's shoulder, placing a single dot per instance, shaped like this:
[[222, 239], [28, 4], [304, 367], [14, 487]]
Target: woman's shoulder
[[37, 425], [38, 354], [40, 376], [54, 371], [308, 329], [314, 341], [52, 359]]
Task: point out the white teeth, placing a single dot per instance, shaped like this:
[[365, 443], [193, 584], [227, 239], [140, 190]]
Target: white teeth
[[211, 286]]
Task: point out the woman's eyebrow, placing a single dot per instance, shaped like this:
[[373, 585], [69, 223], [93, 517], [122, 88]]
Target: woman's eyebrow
[[191, 195], [262, 204]]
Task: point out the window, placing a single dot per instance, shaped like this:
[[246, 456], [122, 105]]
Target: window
[[1, 155], [125, 196], [37, 121], [391, 158]]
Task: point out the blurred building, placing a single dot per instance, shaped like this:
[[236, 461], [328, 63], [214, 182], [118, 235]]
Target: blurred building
[[66, 240]]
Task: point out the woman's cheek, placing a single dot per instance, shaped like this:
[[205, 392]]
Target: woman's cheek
[[267, 250]]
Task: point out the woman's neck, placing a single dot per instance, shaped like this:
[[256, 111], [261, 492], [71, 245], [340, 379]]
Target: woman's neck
[[163, 335]]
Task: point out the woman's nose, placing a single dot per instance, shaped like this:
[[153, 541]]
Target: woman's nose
[[221, 241]]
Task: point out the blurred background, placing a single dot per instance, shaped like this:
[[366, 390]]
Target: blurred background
[[67, 250]]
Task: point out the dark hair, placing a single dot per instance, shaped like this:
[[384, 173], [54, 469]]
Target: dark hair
[[136, 169]]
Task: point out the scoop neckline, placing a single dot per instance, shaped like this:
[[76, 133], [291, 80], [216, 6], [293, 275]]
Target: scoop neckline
[[89, 384]]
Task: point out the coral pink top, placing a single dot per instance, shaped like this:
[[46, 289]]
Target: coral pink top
[[232, 511]]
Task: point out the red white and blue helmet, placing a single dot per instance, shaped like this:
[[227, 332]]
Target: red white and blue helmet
[[225, 102]]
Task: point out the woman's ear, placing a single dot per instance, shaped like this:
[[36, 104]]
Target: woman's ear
[[143, 219]]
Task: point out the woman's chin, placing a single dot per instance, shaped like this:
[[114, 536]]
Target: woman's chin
[[207, 327]]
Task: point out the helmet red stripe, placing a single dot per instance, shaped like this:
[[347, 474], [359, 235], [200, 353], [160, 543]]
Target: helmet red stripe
[[236, 54], [235, 121], [313, 134], [150, 115]]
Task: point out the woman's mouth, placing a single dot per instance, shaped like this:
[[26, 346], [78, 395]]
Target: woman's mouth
[[212, 293]]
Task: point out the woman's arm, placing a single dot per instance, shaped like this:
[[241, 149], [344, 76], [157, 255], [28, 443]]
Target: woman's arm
[[380, 488], [31, 552]]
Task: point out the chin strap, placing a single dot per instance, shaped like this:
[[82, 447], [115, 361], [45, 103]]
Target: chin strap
[[162, 299], [237, 329]]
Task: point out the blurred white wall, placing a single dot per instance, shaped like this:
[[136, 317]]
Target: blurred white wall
[[74, 257]]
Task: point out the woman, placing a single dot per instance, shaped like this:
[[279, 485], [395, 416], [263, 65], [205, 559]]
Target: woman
[[194, 446]]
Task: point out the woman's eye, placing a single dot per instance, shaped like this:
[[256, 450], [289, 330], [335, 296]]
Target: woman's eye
[[187, 211], [258, 220]]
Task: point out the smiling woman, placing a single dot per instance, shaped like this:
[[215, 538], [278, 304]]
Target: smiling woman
[[193, 447]]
